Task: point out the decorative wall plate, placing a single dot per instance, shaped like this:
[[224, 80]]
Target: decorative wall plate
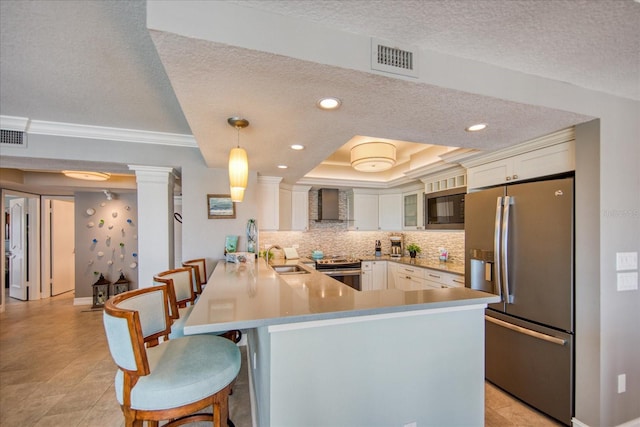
[[91, 211], [90, 224], [133, 265]]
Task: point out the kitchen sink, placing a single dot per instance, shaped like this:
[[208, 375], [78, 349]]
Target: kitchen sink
[[289, 269]]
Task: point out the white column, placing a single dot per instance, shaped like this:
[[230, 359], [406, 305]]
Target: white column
[[155, 221]]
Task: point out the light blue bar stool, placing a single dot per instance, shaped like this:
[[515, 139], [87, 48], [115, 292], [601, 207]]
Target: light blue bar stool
[[172, 380]]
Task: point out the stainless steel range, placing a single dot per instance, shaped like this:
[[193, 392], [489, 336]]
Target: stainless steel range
[[345, 270]]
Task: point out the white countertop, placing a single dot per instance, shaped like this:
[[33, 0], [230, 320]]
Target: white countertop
[[242, 296]]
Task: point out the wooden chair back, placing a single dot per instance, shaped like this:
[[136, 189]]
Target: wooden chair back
[[201, 266]]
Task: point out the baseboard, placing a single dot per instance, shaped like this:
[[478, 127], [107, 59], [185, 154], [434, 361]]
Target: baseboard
[[632, 423], [83, 301]]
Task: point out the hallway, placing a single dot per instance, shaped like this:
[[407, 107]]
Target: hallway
[[55, 370]]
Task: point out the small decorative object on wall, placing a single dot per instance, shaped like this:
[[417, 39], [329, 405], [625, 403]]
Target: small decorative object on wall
[[100, 292], [91, 211], [120, 285], [220, 206]]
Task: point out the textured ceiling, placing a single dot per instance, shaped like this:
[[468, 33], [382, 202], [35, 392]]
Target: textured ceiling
[[95, 63]]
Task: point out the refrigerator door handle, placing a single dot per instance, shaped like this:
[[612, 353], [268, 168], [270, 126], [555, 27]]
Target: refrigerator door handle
[[529, 332], [504, 252], [497, 264]]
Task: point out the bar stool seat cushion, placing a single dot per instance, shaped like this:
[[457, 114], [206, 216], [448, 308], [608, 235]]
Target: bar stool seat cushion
[[183, 371]]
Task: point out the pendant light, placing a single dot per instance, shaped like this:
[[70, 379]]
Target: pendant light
[[238, 164]]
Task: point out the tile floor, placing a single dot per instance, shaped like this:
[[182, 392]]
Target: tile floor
[[55, 370]]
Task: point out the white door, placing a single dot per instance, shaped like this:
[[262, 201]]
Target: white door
[[18, 248], [62, 247]]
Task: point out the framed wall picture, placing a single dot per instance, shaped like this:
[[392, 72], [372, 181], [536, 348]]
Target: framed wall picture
[[220, 206]]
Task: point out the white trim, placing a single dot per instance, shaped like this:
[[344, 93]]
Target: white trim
[[83, 301], [555, 138], [42, 127], [19, 124], [359, 319], [631, 423]]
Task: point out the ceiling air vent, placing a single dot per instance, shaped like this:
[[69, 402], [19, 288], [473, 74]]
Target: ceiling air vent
[[388, 57], [13, 138]]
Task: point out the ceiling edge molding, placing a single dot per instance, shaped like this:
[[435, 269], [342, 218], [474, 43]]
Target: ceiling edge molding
[[554, 138], [352, 183], [42, 127], [19, 124]]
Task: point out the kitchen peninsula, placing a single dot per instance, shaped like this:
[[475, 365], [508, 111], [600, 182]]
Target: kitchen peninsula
[[321, 353]]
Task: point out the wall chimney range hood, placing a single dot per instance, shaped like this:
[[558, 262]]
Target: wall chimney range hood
[[328, 204]]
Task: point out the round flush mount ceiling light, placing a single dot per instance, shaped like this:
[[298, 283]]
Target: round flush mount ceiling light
[[87, 175], [476, 127], [282, 166], [373, 156], [297, 147], [328, 103]]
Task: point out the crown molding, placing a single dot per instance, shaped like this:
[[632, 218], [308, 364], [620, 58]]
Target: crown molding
[[564, 135], [42, 127]]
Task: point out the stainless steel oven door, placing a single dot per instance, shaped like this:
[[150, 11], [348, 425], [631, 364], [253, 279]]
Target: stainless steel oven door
[[350, 278]]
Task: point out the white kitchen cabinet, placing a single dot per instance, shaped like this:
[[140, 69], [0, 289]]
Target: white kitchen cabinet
[[444, 280], [412, 210], [390, 212], [366, 277], [549, 160], [362, 207], [379, 273], [392, 269], [300, 207], [416, 278], [268, 202], [374, 275]]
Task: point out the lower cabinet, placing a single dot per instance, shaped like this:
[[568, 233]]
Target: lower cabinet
[[411, 278], [374, 275]]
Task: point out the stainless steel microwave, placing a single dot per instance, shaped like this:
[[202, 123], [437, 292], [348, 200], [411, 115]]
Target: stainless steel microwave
[[444, 210]]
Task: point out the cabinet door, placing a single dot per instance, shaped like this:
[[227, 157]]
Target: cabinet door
[[546, 161], [489, 174], [392, 269], [365, 211], [300, 210], [412, 211], [366, 277], [379, 274], [390, 212]]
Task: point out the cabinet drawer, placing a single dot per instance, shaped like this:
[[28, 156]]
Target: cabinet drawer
[[411, 271]]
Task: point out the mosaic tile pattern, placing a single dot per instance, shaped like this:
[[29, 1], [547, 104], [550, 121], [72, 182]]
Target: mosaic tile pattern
[[334, 238]]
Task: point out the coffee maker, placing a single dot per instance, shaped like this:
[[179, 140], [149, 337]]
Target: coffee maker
[[397, 246]]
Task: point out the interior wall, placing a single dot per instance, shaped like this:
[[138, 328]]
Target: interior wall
[[106, 240]]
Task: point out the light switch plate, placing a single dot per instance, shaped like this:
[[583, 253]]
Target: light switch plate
[[626, 261], [628, 281]]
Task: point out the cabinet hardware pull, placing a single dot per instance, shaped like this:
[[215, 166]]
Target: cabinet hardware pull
[[535, 334], [434, 275]]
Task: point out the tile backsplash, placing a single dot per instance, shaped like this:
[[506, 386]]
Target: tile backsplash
[[334, 238], [339, 241]]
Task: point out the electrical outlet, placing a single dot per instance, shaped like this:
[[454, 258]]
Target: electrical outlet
[[626, 261], [628, 281], [622, 383], [295, 246]]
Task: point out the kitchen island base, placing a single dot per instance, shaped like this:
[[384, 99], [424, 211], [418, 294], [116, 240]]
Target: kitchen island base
[[424, 367]]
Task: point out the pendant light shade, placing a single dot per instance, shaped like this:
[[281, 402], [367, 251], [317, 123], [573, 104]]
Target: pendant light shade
[[237, 194], [238, 164], [373, 156]]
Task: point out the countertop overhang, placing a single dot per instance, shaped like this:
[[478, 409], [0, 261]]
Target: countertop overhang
[[250, 295]]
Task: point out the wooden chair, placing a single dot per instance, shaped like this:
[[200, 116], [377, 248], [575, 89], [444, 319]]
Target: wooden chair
[[182, 296], [172, 380], [200, 264]]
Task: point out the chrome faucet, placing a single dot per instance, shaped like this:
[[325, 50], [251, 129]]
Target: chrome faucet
[[266, 255]]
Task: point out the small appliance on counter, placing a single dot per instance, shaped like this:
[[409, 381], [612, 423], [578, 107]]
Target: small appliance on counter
[[396, 246], [378, 248]]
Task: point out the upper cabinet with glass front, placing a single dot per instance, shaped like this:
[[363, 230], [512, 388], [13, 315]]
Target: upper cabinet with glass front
[[412, 207]]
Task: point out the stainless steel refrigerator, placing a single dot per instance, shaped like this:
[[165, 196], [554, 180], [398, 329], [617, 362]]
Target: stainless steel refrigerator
[[519, 244]]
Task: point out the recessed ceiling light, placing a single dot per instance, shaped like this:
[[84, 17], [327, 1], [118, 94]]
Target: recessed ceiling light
[[329, 103], [87, 175], [477, 127], [297, 147], [282, 166]]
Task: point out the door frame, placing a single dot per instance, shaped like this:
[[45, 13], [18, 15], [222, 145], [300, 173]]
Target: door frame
[[34, 284], [46, 254]]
